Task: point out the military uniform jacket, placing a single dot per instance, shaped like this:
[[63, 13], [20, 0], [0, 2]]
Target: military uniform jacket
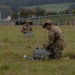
[[55, 39], [26, 29]]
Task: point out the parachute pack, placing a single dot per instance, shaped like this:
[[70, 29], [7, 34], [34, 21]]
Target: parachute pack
[[38, 54]]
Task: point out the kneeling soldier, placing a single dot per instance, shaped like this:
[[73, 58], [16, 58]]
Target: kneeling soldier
[[55, 42], [27, 29]]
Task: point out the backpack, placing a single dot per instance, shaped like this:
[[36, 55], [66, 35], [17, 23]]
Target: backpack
[[40, 53]]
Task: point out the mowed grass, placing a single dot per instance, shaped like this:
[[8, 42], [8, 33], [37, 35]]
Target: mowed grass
[[14, 45]]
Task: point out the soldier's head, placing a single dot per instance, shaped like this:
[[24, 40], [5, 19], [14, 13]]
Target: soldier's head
[[47, 24], [27, 22]]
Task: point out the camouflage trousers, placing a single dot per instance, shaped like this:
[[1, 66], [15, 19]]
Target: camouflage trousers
[[29, 34], [56, 52]]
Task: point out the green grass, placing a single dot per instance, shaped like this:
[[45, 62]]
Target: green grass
[[13, 46], [53, 7]]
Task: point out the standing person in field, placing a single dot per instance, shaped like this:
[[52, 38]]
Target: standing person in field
[[55, 42], [27, 29]]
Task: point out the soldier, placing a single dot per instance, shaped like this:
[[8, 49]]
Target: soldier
[[55, 42], [27, 30]]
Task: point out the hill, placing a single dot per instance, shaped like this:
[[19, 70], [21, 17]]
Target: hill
[[53, 7], [14, 3], [8, 7]]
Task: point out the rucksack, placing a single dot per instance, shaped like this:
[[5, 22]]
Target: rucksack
[[40, 53]]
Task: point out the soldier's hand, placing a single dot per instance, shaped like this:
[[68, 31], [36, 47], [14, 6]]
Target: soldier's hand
[[44, 45]]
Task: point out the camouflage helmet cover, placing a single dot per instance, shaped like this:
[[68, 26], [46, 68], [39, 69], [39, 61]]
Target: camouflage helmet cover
[[28, 22], [47, 22]]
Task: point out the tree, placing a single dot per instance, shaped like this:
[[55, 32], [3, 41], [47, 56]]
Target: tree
[[73, 11], [39, 11], [64, 12], [51, 13]]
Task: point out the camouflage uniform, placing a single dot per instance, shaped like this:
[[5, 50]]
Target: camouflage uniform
[[27, 30], [55, 42]]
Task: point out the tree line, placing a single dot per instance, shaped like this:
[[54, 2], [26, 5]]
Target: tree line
[[24, 12]]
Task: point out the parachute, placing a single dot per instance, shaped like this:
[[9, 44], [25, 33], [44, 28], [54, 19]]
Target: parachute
[[39, 54]]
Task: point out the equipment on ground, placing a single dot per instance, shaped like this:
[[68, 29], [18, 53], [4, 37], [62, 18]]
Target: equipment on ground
[[39, 54]]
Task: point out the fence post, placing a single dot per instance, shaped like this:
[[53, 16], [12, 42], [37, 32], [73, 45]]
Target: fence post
[[70, 23], [65, 23]]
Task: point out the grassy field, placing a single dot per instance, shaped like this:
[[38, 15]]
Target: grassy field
[[54, 7], [13, 46]]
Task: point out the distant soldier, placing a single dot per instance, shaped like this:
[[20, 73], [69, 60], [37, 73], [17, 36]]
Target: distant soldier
[[27, 29], [55, 42]]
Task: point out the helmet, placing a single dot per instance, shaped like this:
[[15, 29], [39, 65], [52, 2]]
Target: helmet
[[47, 22]]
